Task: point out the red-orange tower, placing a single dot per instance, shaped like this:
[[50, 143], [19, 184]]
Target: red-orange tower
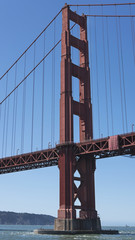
[[68, 164]]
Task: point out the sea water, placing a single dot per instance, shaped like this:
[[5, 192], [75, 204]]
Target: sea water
[[25, 232]]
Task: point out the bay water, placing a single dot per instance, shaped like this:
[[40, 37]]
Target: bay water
[[25, 232]]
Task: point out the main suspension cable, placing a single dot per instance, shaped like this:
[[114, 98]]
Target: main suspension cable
[[31, 44], [30, 72], [101, 4], [111, 16], [34, 67]]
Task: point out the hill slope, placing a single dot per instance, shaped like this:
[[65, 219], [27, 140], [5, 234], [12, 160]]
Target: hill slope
[[25, 219]]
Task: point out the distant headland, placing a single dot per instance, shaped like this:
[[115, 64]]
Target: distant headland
[[12, 218]]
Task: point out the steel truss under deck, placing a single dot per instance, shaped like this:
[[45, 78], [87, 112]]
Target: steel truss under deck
[[100, 148]]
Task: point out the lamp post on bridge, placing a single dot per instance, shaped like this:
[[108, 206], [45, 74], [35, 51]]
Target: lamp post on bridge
[[132, 127]]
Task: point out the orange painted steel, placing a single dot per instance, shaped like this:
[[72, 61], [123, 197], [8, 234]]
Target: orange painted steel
[[99, 148], [69, 156]]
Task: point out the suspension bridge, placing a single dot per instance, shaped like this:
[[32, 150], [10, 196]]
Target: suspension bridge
[[59, 101]]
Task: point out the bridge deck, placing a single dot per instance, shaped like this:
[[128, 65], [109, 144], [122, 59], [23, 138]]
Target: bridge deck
[[99, 148]]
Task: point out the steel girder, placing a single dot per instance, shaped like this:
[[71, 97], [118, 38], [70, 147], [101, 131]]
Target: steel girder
[[101, 148]]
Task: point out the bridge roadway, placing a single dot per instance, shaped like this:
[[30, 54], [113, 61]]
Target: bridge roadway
[[100, 148]]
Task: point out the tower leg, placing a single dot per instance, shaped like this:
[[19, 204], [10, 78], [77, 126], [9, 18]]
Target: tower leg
[[86, 194], [66, 212], [88, 219]]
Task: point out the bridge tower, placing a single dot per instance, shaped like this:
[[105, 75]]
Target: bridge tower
[[68, 164]]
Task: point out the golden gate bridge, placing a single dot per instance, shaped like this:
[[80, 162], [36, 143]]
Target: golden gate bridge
[[93, 51]]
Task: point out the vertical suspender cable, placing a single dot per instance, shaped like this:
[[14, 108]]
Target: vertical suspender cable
[[122, 111], [97, 78], [133, 34], [123, 77], [5, 110], [91, 66], [33, 100], [110, 81], [1, 125], [23, 108], [13, 114], [12, 122], [72, 59], [53, 95], [0, 120], [43, 97], [54, 86], [6, 133], [105, 74], [52, 105]]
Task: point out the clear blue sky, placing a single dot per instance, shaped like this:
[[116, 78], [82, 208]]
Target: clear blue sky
[[37, 191]]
